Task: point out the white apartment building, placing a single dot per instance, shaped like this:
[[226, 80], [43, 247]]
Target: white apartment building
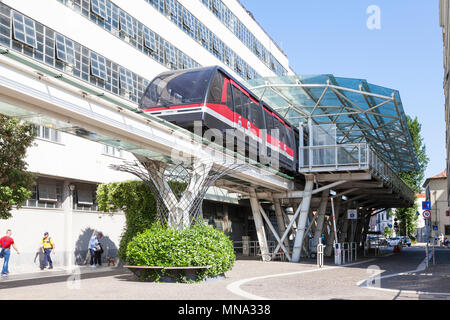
[[115, 46]]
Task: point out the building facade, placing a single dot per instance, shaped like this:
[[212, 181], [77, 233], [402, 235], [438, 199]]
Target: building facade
[[436, 192], [118, 47], [444, 17]]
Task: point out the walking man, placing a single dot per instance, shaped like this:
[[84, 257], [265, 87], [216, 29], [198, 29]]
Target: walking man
[[48, 246], [6, 242], [94, 246]]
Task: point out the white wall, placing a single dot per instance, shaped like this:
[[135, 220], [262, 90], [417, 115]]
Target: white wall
[[75, 158], [29, 225]]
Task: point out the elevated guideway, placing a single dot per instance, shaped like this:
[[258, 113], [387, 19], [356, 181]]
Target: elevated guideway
[[38, 94], [350, 170]]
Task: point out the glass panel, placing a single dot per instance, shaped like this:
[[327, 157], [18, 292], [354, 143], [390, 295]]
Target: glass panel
[[216, 87], [98, 66], [177, 88], [24, 29], [99, 8], [126, 24], [150, 39], [188, 20], [126, 80], [65, 50]]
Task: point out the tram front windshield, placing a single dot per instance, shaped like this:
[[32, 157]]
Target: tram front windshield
[[177, 88]]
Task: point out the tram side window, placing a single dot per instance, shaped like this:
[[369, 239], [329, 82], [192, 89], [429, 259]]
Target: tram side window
[[254, 114], [282, 136], [238, 103], [215, 89], [269, 120]]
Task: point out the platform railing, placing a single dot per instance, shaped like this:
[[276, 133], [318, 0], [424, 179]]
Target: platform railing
[[351, 157]]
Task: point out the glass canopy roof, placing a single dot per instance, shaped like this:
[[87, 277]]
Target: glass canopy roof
[[362, 112]]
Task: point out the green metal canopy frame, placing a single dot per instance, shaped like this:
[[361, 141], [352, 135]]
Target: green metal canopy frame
[[362, 112]]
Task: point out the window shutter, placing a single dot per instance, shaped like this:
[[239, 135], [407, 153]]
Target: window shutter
[[47, 192]]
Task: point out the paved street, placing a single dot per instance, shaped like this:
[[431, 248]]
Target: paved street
[[256, 280]]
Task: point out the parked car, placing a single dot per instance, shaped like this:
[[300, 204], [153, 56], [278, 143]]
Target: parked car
[[377, 241], [406, 241], [394, 241]]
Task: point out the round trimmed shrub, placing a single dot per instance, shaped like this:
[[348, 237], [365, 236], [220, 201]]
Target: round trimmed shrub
[[192, 247]]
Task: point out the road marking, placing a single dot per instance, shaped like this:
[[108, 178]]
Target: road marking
[[235, 286], [421, 267]]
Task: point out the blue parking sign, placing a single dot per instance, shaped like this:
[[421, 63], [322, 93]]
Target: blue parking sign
[[426, 205]]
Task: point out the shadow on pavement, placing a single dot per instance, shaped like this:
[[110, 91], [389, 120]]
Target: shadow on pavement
[[7, 284]]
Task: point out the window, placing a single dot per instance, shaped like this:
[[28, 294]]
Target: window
[[112, 151], [239, 64], [98, 66], [170, 7], [98, 7], [48, 133], [170, 55], [216, 5], [239, 102], [126, 24], [65, 50], [217, 45], [188, 20], [254, 114], [257, 47], [126, 80], [216, 87], [176, 88], [269, 120], [24, 29], [85, 197], [46, 193], [150, 39], [447, 230], [203, 33]]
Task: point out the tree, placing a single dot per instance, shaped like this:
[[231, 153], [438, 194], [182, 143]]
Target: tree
[[414, 178], [138, 203], [388, 232], [15, 181]]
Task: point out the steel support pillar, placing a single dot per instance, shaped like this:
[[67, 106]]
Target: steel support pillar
[[304, 210], [321, 217], [344, 225], [259, 225], [280, 220]]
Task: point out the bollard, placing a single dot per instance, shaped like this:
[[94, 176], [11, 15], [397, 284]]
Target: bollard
[[320, 255], [337, 253]]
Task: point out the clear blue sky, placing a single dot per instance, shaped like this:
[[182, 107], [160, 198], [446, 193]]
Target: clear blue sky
[[329, 36]]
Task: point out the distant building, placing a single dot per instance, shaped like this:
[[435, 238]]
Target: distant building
[[420, 225], [436, 190], [380, 221]]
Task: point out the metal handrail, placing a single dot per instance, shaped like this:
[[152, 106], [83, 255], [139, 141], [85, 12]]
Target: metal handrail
[[366, 158]]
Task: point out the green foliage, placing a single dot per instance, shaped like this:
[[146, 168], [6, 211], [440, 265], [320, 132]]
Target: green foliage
[[136, 200], [407, 220], [199, 245], [413, 179], [388, 232], [15, 182]]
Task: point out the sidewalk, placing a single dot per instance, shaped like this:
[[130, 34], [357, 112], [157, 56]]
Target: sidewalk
[[59, 274]]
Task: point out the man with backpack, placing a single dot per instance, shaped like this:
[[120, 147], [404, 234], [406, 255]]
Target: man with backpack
[[6, 242], [48, 246]]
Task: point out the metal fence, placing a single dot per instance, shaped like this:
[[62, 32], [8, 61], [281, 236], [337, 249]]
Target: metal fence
[[251, 248]]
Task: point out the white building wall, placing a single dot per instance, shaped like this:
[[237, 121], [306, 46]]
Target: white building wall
[[78, 160]]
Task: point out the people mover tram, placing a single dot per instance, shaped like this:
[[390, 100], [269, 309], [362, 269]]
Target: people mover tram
[[212, 96]]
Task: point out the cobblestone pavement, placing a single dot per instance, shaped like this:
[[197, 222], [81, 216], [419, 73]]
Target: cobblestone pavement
[[250, 279]]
